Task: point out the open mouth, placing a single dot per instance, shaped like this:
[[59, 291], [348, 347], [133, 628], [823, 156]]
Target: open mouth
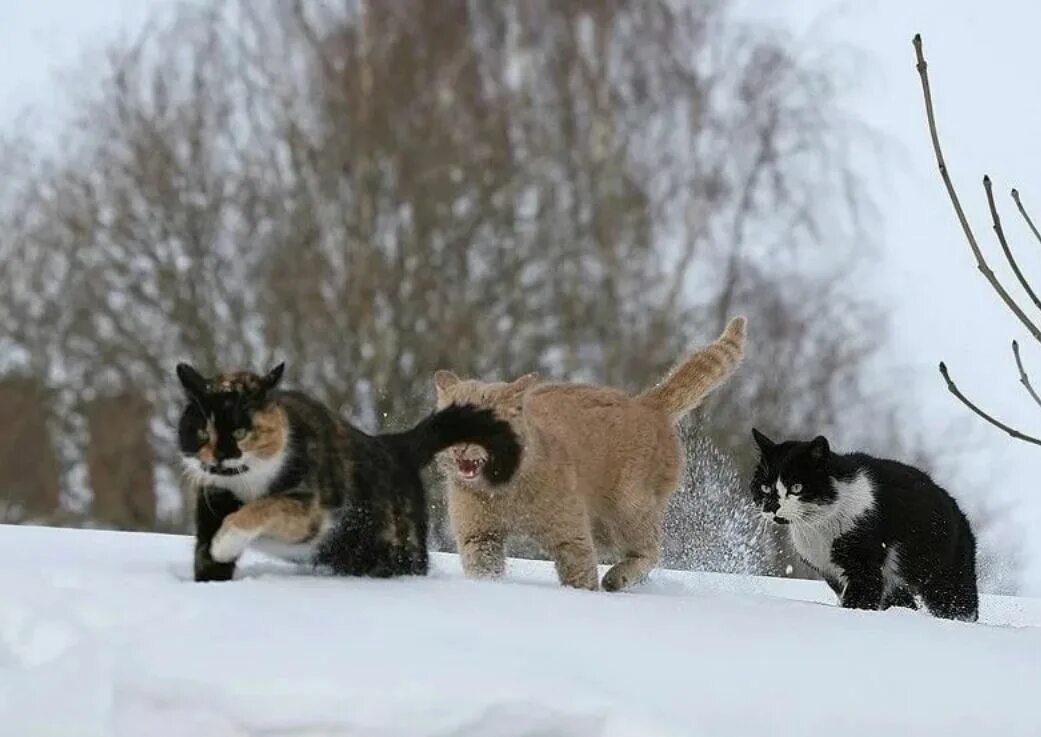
[[469, 467], [226, 471]]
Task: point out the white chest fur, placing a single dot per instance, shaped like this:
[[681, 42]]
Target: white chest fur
[[813, 540], [255, 482]]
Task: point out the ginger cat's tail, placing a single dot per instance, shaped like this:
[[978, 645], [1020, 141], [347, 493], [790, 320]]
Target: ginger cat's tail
[[691, 380]]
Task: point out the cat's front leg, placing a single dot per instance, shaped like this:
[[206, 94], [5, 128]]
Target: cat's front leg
[[863, 590], [564, 531], [212, 506], [569, 543], [835, 585], [289, 520], [480, 533]]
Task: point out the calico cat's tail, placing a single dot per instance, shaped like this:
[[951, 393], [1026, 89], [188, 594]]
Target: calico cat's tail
[[690, 381], [464, 423]]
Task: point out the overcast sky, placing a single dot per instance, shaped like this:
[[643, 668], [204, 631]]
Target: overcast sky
[[942, 309]]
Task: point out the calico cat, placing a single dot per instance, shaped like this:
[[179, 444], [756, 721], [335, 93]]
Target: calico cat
[[598, 469], [279, 470], [880, 533]]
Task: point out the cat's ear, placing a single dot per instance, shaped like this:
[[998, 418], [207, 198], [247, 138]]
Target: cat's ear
[[819, 448], [445, 380], [271, 378], [764, 443], [519, 385], [191, 380]]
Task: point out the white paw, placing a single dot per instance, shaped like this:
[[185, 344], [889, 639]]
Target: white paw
[[229, 543]]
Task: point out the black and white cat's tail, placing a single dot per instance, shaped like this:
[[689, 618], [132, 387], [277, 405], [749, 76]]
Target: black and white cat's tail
[[464, 423]]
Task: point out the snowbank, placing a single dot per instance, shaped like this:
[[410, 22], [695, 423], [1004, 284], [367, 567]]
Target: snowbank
[[103, 633]]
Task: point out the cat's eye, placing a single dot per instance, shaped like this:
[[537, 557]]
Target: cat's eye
[[240, 433], [765, 488], [202, 434], [796, 488]]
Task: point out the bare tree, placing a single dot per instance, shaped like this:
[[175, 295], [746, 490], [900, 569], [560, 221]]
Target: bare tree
[[372, 191]]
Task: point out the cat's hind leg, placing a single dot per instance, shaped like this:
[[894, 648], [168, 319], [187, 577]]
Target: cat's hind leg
[[951, 591], [405, 532], [638, 537], [952, 597], [416, 559], [288, 520], [568, 538]]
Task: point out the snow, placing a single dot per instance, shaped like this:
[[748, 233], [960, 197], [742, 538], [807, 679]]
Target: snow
[[104, 633]]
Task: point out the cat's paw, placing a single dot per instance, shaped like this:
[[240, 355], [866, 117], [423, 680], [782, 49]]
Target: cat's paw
[[614, 580], [230, 543], [213, 571], [622, 576]]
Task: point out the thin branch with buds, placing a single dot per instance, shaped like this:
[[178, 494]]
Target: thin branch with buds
[[1023, 212], [1000, 233], [981, 262], [953, 388], [1023, 378]]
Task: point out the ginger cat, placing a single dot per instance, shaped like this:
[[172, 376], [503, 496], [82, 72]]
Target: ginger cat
[[597, 465]]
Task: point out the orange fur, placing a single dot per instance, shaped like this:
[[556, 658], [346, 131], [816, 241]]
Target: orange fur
[[207, 453], [595, 460], [268, 433], [286, 520], [690, 381]]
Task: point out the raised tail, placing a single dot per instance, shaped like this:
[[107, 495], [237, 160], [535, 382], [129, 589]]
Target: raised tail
[[464, 423], [691, 380]]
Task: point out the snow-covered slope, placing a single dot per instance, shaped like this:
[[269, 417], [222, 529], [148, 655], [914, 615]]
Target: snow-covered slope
[[104, 634]]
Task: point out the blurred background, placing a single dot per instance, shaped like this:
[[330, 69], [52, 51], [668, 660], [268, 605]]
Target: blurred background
[[374, 190]]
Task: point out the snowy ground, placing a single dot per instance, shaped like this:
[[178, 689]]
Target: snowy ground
[[103, 634]]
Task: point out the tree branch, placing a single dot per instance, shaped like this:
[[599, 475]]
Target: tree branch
[[981, 262], [1000, 232], [1023, 212], [953, 388], [1023, 378]]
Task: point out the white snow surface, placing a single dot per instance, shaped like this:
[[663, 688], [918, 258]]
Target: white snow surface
[[104, 633]]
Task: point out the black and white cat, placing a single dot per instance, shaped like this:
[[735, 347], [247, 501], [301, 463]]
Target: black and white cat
[[880, 533]]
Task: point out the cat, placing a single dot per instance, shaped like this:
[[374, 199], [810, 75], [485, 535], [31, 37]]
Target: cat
[[597, 470], [280, 471], [879, 532]]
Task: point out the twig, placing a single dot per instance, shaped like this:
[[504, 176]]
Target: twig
[[1023, 378], [981, 262], [953, 388], [1000, 233], [1023, 212]]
